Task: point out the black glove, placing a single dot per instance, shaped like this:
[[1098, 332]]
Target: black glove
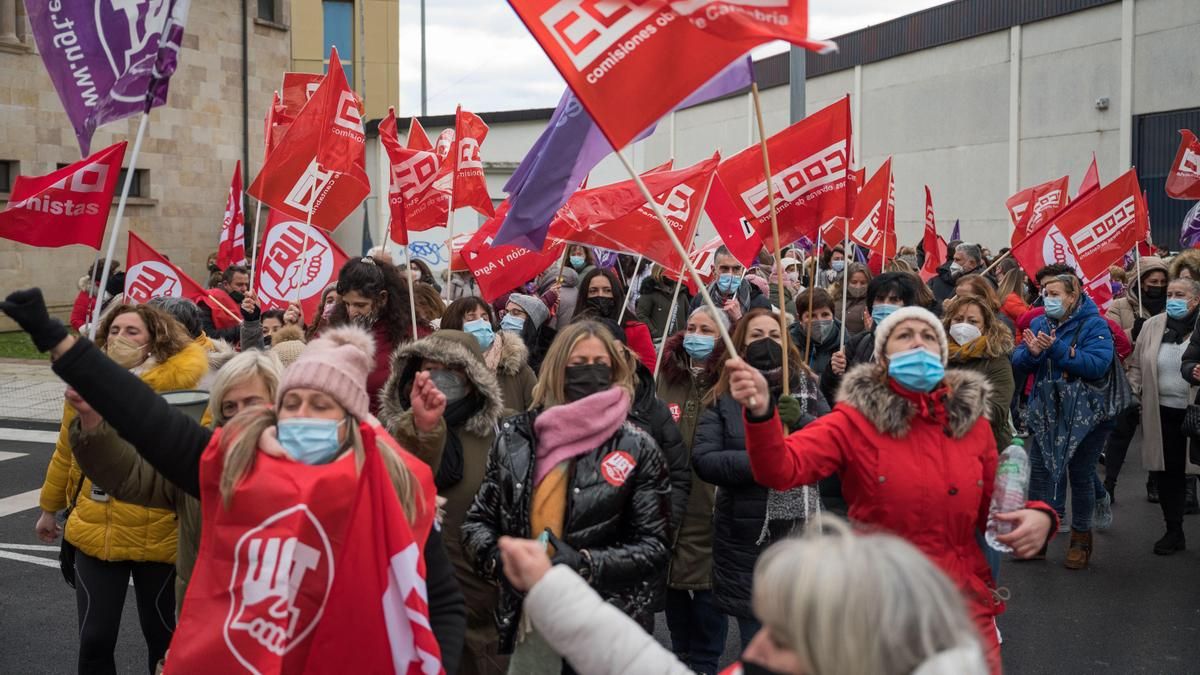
[[253, 315], [28, 309], [565, 555]]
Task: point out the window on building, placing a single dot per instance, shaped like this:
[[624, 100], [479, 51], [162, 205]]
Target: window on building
[[139, 188], [267, 11], [8, 174], [339, 32]]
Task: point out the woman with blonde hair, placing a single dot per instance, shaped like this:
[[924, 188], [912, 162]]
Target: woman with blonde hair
[[832, 602], [980, 342], [574, 473], [1012, 291], [855, 308]]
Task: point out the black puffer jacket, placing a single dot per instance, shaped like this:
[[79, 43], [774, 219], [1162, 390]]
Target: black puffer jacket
[[719, 457], [652, 416], [623, 527]]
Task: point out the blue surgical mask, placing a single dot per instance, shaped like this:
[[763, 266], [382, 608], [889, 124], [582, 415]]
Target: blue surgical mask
[[916, 369], [481, 329], [727, 283], [512, 323], [1177, 308], [309, 440], [698, 346], [1054, 307], [577, 261], [838, 265], [881, 311]]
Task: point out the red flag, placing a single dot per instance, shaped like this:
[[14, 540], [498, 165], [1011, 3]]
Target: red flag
[[417, 138], [1184, 180], [935, 248], [470, 186], [833, 233], [1032, 207], [274, 126], [740, 238], [69, 206], [411, 173], [429, 205], [623, 59], [809, 166], [298, 89], [286, 265], [150, 275], [499, 269], [874, 223], [1091, 180], [231, 247], [1092, 234], [321, 166], [704, 260]]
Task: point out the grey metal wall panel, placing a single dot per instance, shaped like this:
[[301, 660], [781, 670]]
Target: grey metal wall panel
[[1155, 141]]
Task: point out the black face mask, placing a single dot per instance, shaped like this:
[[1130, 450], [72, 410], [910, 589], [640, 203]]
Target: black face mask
[[583, 381], [237, 296], [602, 306], [749, 668], [765, 354]]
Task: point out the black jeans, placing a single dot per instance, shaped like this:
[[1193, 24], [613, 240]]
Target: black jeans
[[697, 629], [100, 588], [1118, 444], [1172, 480]]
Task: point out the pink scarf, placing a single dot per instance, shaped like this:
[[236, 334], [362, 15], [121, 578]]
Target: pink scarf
[[569, 430]]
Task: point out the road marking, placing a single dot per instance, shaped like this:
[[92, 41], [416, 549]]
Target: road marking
[[29, 547], [18, 503], [11, 455], [21, 557], [28, 435]]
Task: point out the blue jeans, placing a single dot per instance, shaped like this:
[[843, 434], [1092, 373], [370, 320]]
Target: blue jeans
[[697, 629], [747, 629], [1086, 486]]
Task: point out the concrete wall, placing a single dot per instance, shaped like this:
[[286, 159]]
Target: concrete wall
[[191, 147]]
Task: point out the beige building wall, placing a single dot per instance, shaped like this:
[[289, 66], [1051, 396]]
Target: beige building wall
[[376, 69], [190, 149]]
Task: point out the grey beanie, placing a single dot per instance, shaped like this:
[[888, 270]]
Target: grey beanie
[[536, 309]]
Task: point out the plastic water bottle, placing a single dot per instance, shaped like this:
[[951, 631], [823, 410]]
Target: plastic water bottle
[[1012, 483]]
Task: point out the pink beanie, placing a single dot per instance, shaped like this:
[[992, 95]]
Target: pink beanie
[[336, 363]]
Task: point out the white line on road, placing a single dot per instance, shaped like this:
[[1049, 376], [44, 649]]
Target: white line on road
[[21, 557], [28, 435], [29, 547], [18, 503], [11, 455]]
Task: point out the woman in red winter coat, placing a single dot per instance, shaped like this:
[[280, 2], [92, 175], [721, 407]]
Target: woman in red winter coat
[[915, 453]]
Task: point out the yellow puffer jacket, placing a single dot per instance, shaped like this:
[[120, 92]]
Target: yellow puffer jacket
[[111, 529]]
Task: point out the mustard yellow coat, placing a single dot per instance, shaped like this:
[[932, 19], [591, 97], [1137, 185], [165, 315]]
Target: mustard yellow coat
[[112, 529]]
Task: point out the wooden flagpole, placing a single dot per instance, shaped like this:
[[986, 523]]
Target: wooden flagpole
[[762, 141]]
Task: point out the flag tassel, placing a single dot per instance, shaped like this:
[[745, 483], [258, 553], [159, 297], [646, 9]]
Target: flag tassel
[[762, 141], [116, 228]]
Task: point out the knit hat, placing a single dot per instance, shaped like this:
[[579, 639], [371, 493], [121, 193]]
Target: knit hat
[[288, 351], [337, 363], [534, 308], [884, 330]]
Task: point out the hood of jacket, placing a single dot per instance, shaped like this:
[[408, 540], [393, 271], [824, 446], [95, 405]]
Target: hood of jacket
[[1189, 260], [865, 388], [513, 352], [452, 348], [570, 278], [674, 361], [219, 352], [1153, 263], [1086, 310]]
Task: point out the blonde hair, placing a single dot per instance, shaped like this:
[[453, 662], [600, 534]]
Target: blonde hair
[[550, 391], [999, 337], [248, 364], [858, 603]]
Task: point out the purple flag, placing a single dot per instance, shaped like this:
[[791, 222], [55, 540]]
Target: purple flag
[[570, 147], [1189, 236], [955, 235], [604, 258], [108, 60], [860, 254]]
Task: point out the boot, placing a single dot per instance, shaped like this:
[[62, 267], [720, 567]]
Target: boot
[[1080, 550], [1151, 489], [1192, 505], [1171, 542]]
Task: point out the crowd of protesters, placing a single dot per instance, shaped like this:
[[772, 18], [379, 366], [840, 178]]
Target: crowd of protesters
[[599, 457]]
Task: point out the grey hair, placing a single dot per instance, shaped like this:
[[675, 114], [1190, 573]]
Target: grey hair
[[1192, 285], [973, 251], [850, 603], [720, 318], [250, 363], [183, 310]]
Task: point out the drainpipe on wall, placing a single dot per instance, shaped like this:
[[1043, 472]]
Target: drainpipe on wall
[[245, 96]]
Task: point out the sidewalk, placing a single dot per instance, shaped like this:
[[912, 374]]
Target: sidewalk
[[30, 392]]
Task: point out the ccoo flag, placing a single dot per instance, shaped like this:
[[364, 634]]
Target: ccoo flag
[[107, 60], [1184, 180], [69, 206], [231, 247], [623, 58]]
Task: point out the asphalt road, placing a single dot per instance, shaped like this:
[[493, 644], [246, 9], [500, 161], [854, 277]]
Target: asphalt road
[[1131, 612]]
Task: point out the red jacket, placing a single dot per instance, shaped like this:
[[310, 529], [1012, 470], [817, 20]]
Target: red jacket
[[922, 467], [637, 335], [81, 311]]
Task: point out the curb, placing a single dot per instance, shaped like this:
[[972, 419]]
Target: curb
[[31, 425]]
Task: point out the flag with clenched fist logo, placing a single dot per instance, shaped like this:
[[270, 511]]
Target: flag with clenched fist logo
[[293, 267]]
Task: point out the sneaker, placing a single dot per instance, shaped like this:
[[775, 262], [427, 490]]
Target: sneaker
[[1102, 516]]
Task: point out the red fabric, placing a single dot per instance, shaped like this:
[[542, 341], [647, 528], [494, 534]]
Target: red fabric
[[637, 336], [298, 90], [1184, 180], [929, 488], [743, 241], [222, 319], [470, 186], [1032, 207], [411, 172], [81, 311], [874, 223], [148, 274], [287, 271], [231, 245], [321, 166], [810, 163], [499, 269], [622, 59], [935, 248], [1014, 307], [417, 138], [1091, 180], [383, 363], [68, 206]]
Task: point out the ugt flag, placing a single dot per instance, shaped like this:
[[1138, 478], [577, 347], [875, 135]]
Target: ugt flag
[[1184, 179], [231, 247], [108, 60], [632, 61], [287, 271], [148, 275], [69, 206]]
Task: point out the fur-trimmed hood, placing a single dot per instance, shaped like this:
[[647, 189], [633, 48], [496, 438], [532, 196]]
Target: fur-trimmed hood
[[865, 388], [513, 354], [452, 348], [220, 352], [1189, 259]]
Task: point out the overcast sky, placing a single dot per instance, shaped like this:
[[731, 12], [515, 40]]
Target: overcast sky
[[480, 55]]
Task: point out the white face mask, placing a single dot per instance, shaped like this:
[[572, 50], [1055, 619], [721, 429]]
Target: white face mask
[[955, 268], [964, 333]]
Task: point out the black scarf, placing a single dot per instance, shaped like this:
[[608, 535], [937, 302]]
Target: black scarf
[[450, 471], [1178, 330]]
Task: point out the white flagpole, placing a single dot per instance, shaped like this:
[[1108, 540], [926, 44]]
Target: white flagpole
[[254, 258], [667, 328], [845, 281], [1137, 257], [412, 300], [385, 209], [116, 228], [629, 291]]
